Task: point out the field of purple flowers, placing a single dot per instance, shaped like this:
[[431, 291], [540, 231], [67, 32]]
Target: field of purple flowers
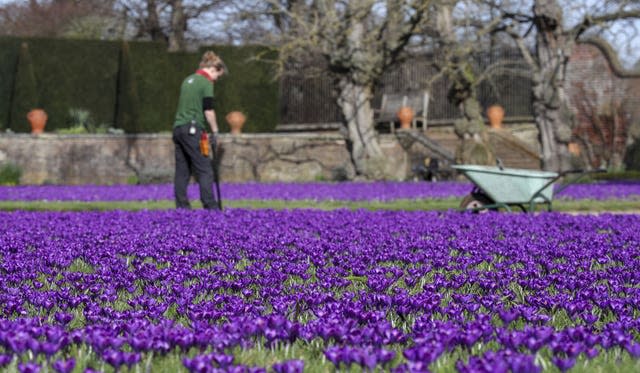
[[351, 191], [283, 291]]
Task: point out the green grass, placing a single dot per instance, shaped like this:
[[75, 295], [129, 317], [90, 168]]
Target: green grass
[[614, 360], [405, 204]]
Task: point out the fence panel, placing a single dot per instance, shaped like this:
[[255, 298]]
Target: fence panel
[[308, 102]]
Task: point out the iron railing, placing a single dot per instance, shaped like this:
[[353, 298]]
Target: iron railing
[[310, 102]]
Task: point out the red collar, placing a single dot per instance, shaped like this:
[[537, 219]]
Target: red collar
[[204, 73]]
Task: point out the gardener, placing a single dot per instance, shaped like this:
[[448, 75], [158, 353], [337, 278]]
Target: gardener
[[195, 109]]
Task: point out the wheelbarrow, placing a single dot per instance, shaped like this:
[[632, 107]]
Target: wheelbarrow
[[498, 187]]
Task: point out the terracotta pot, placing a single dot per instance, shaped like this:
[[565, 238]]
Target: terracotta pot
[[495, 114], [405, 115], [38, 119], [574, 148], [236, 120]]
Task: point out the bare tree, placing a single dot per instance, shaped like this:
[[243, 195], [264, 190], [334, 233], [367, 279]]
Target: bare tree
[[458, 40], [605, 126], [168, 20], [555, 37], [355, 41], [606, 106], [57, 18]]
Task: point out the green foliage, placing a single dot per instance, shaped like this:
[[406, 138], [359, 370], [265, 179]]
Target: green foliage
[[617, 175], [25, 91], [80, 121], [10, 174], [127, 101], [79, 118]]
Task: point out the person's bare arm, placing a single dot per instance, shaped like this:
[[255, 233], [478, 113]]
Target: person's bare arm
[[211, 119]]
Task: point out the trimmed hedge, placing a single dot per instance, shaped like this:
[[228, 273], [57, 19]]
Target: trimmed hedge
[[9, 50], [127, 100], [25, 94], [249, 87], [83, 74]]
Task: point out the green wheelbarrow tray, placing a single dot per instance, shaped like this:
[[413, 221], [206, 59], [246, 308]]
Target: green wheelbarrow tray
[[503, 187]]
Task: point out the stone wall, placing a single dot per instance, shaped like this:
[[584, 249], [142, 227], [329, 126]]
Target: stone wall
[[119, 159]]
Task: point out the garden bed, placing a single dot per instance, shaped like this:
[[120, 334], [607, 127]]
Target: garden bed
[[256, 290]]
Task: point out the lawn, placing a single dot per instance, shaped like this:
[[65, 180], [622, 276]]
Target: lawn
[[603, 196]]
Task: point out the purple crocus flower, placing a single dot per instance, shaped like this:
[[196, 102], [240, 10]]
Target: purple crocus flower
[[633, 348], [291, 366], [18, 342], [63, 317], [592, 352], [507, 316], [197, 264], [28, 367], [198, 364], [589, 318], [564, 364], [385, 356], [64, 366], [334, 355], [5, 360], [130, 358], [364, 357], [524, 364], [113, 358], [223, 360]]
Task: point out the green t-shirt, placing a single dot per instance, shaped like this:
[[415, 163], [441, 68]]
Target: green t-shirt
[[194, 88]]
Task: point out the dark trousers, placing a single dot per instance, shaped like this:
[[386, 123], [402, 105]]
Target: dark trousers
[[189, 158]]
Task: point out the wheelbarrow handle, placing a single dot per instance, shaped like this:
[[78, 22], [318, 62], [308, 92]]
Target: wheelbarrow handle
[[582, 173]]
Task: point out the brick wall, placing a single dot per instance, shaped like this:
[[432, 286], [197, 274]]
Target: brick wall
[[604, 97]]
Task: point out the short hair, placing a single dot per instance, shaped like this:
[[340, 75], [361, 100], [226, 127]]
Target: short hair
[[210, 59]]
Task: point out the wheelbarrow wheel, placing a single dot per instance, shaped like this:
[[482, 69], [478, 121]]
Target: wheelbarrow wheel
[[475, 202]]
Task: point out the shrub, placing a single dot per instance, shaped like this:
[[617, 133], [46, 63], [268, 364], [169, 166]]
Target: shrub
[[618, 175], [80, 121], [10, 174]]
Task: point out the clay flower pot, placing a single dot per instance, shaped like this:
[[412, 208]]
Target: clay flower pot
[[236, 120], [405, 115], [495, 114], [38, 119], [574, 148]]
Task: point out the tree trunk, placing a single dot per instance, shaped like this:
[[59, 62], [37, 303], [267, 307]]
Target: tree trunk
[[178, 27], [153, 22], [366, 154], [550, 102], [474, 146]]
